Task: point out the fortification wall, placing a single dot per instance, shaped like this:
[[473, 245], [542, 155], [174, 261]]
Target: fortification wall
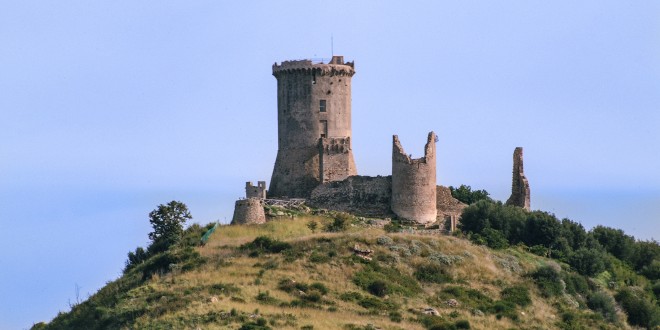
[[360, 195], [414, 183], [336, 159], [249, 211], [520, 194], [449, 208], [313, 102]]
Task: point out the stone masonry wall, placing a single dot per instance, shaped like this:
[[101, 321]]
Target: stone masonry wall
[[414, 183], [336, 159], [360, 195], [519, 185], [249, 211]]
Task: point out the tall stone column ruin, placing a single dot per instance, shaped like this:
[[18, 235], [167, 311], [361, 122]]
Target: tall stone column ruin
[[520, 185]]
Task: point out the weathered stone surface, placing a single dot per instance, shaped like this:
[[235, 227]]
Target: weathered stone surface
[[258, 191], [313, 103], [414, 183], [449, 208], [360, 195], [336, 160], [249, 211], [520, 185]]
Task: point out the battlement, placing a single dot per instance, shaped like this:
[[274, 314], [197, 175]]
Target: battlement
[[337, 145], [399, 155], [258, 191], [335, 67]]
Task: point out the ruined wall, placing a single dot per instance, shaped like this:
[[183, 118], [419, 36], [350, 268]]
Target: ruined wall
[[249, 211], [414, 183], [449, 208], [313, 102], [258, 191], [520, 185], [336, 159], [360, 195]]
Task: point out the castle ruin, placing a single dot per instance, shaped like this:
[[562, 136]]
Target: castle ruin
[[315, 161], [314, 126], [414, 183], [519, 185]]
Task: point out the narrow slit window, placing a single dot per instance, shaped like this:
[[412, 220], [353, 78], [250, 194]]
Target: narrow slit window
[[324, 128], [322, 107]]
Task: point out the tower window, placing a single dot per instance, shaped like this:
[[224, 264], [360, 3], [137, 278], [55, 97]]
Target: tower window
[[322, 107], [324, 128]]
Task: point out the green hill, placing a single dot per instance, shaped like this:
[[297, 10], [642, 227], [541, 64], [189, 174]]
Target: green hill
[[349, 274]]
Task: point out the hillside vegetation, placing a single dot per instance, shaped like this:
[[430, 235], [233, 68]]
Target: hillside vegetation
[[336, 271]]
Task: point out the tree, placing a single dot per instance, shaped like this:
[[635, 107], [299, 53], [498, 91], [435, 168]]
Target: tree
[[466, 195], [167, 222]]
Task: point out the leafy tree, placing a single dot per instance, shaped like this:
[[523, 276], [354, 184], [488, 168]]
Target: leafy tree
[[167, 222], [466, 195], [542, 229], [587, 261], [615, 242]]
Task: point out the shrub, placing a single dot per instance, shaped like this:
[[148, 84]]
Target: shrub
[[587, 262], [392, 227], [492, 238], [603, 303], [384, 280], [640, 311], [575, 283], [432, 273], [265, 244], [548, 280], [518, 295], [462, 324], [396, 316], [340, 223]]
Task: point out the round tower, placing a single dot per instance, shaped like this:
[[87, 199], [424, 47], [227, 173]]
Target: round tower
[[414, 183], [314, 126]]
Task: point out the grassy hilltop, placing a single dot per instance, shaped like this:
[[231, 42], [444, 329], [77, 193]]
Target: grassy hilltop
[[344, 273]]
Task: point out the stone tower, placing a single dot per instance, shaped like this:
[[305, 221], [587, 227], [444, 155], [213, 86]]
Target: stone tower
[[519, 185], [414, 183], [314, 126]]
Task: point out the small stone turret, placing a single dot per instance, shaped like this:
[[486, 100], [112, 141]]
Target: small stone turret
[[520, 185], [414, 183], [258, 191], [249, 211]]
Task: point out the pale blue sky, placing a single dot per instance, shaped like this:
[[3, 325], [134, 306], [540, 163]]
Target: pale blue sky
[[110, 108]]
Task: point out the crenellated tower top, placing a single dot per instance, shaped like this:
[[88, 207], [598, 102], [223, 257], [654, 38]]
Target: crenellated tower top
[[336, 67]]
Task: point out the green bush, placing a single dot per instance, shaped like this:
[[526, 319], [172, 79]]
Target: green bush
[[587, 262], [379, 281], [601, 302], [396, 316], [575, 283], [339, 223], [432, 273], [548, 281], [466, 195], [517, 295], [265, 244], [640, 310]]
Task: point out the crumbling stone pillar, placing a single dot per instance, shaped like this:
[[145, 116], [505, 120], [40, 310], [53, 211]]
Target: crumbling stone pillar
[[520, 185]]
